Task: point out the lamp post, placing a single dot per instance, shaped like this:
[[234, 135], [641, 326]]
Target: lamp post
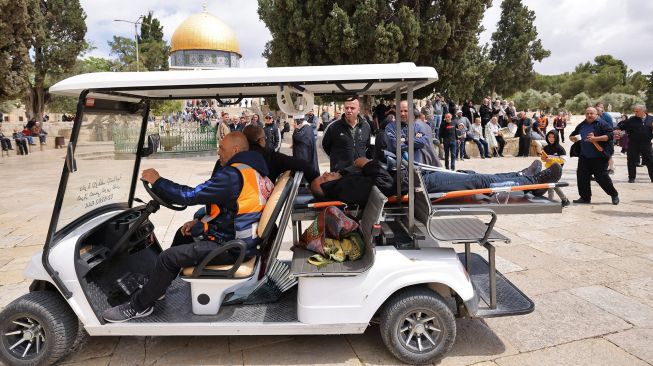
[[136, 23]]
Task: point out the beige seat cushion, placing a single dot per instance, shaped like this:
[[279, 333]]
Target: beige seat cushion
[[266, 215], [246, 269]]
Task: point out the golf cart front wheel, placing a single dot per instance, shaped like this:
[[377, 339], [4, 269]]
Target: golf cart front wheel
[[36, 329], [417, 326]]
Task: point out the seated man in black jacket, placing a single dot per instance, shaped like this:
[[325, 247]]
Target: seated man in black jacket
[[366, 173], [276, 161]]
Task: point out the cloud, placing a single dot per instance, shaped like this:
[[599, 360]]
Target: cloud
[[577, 31], [241, 16]]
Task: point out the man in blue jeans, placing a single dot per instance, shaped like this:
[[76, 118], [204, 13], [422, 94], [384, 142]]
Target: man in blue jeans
[[367, 173]]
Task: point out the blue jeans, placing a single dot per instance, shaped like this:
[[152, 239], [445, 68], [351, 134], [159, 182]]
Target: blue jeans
[[441, 181], [450, 153], [461, 149], [483, 148]]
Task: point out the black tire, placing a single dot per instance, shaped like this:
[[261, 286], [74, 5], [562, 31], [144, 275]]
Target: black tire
[[46, 313], [431, 321]]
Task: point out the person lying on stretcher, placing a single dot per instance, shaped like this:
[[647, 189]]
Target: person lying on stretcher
[[353, 185]]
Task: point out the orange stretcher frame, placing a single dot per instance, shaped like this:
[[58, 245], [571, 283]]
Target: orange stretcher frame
[[437, 197]]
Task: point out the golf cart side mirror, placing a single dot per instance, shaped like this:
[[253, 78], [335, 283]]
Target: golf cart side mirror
[[71, 164], [152, 147]]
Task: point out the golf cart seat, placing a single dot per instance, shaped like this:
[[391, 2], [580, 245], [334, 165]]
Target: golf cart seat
[[210, 283]]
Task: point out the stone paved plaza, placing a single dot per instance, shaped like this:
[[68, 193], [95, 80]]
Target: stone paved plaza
[[589, 271]]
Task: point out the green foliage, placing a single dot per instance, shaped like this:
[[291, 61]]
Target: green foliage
[[620, 102], [515, 47], [165, 107], [16, 26], [578, 103], [62, 104], [8, 105], [59, 27], [427, 33], [153, 50], [533, 99], [649, 92]]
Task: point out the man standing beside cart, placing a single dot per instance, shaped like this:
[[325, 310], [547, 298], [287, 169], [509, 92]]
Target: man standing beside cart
[[348, 138], [234, 196]]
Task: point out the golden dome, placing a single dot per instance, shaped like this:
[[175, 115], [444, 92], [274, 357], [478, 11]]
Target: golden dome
[[203, 31]]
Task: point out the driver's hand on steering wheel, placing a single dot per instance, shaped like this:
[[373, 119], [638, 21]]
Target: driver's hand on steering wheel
[[150, 175], [185, 228]]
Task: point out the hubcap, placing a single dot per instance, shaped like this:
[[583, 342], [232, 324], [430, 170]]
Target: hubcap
[[24, 337], [420, 331]]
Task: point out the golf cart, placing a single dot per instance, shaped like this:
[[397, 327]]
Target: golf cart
[[101, 242]]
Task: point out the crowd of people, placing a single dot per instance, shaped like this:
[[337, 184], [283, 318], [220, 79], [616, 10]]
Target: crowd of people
[[28, 136]]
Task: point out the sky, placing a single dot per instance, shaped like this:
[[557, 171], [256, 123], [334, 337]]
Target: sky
[[575, 31]]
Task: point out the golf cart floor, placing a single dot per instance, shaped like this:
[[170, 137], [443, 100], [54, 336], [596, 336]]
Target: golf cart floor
[[176, 308], [510, 300]]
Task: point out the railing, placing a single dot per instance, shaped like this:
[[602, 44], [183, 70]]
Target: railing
[[180, 138]]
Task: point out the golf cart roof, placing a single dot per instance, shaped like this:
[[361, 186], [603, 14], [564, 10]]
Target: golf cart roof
[[375, 79]]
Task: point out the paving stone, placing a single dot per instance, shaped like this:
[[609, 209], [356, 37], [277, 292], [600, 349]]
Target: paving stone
[[11, 277], [17, 264], [241, 343], [589, 352], [129, 351], [11, 241], [625, 307], [558, 318], [370, 349], [539, 281], [96, 347], [303, 350], [196, 350], [572, 250], [640, 288], [633, 265], [9, 293], [527, 257], [589, 273], [618, 246], [476, 342], [636, 341], [100, 361]]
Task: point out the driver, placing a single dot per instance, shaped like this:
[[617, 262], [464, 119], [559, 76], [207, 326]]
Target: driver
[[234, 196]]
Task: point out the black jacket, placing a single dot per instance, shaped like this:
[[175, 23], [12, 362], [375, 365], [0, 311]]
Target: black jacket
[[272, 136], [601, 128], [278, 163], [356, 184], [303, 145], [640, 131], [485, 112], [344, 145]]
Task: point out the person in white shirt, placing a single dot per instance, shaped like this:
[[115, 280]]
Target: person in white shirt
[[476, 132]]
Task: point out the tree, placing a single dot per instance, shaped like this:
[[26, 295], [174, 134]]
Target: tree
[[15, 65], [649, 92], [59, 28], [63, 104], [578, 103], [427, 33], [153, 50], [515, 47], [620, 102]]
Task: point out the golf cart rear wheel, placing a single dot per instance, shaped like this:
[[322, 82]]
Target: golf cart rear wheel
[[36, 329], [417, 326]]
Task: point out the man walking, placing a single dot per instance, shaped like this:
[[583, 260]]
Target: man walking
[[593, 146], [640, 132]]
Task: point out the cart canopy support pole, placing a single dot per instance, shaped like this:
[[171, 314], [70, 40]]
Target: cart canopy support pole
[[411, 159], [398, 135]]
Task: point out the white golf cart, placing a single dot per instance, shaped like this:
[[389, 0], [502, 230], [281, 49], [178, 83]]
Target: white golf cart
[[100, 245]]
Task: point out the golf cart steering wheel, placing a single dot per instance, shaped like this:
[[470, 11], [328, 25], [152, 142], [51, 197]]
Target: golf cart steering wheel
[[160, 200]]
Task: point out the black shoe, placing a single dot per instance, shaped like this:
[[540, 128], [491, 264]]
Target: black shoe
[[631, 181], [501, 155], [488, 156], [124, 312], [533, 169], [467, 157], [582, 201], [615, 200], [640, 165], [482, 157], [550, 175], [565, 203], [611, 171]]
